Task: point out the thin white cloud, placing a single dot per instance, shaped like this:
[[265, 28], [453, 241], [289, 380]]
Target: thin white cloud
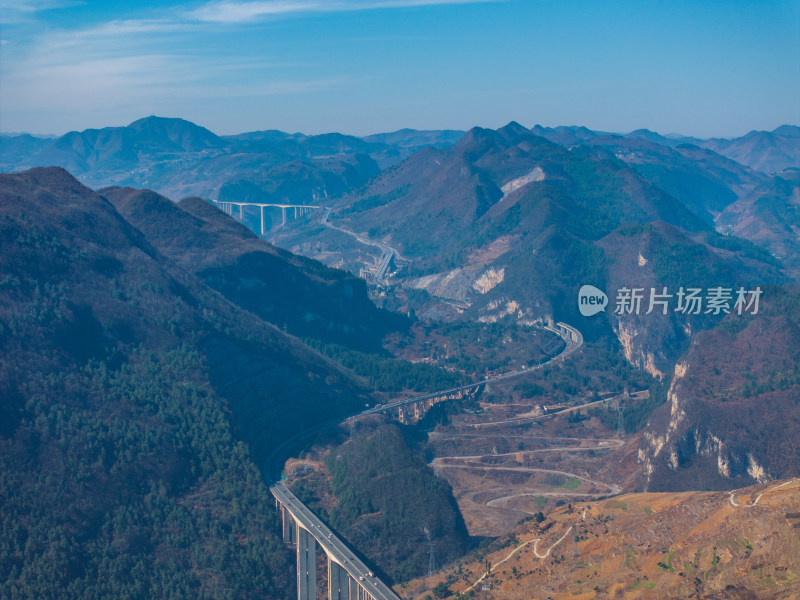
[[97, 83], [157, 61], [54, 45], [16, 12], [32, 6], [134, 62], [231, 11]]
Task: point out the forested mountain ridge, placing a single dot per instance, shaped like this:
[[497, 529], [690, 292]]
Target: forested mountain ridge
[[178, 158], [307, 298], [381, 496], [128, 390]]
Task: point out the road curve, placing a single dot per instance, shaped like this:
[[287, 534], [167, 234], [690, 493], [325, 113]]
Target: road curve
[[387, 252], [332, 545], [572, 346]]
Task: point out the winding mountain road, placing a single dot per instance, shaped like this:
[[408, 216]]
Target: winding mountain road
[[480, 462], [766, 491], [334, 546], [387, 252]]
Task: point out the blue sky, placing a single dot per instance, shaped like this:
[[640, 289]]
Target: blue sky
[[364, 66]]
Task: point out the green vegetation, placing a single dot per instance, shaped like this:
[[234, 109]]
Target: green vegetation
[[600, 195], [666, 565], [133, 387], [714, 563], [630, 556], [570, 483], [390, 504], [642, 583], [683, 265], [633, 230], [634, 413], [375, 200], [740, 246], [389, 374], [151, 496], [479, 347], [599, 366], [441, 590]]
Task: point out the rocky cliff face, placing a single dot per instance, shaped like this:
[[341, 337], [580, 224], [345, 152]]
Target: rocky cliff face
[[733, 406]]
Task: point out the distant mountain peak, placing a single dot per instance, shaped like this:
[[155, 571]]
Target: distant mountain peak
[[513, 130], [792, 131], [154, 119], [186, 134]]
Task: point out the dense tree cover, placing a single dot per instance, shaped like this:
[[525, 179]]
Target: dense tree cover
[[599, 366], [389, 374], [476, 348], [741, 246], [129, 483], [374, 201], [299, 295], [682, 265], [391, 506], [127, 391]]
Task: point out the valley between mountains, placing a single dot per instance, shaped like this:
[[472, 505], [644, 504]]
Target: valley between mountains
[[156, 350]]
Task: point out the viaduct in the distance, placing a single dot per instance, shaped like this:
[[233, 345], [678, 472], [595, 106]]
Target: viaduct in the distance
[[299, 210]]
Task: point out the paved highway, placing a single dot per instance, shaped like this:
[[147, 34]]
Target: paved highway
[[571, 347], [387, 252], [332, 545]]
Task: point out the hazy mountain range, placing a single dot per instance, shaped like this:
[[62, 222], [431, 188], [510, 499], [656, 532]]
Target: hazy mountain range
[[153, 352], [178, 158]]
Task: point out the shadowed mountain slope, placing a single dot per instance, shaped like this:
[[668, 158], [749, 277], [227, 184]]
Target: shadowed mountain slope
[[437, 203], [702, 180], [510, 225], [304, 296], [128, 387], [769, 216]]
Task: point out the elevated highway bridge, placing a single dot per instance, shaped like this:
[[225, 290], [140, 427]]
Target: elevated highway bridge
[[413, 408], [299, 210], [348, 577]]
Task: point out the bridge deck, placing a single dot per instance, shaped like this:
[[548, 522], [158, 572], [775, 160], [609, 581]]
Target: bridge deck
[[332, 545]]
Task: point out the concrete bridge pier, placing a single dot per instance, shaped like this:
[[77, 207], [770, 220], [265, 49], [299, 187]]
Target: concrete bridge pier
[[306, 565], [289, 527], [348, 577], [338, 581]]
